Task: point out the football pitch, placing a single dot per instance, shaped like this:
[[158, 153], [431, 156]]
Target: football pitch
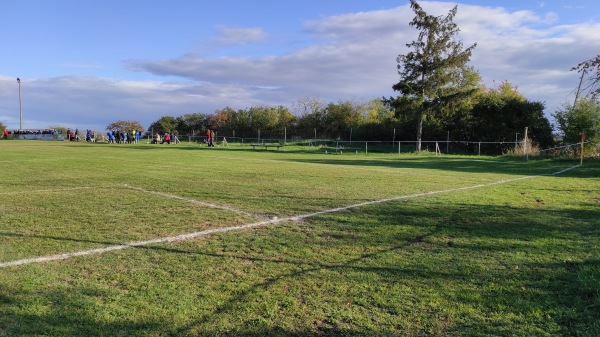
[[185, 240]]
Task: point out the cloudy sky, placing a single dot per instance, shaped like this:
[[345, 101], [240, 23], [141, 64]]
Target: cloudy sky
[[87, 64]]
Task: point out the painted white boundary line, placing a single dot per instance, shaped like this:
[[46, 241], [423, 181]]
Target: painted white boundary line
[[162, 194], [53, 190], [275, 220], [194, 201]]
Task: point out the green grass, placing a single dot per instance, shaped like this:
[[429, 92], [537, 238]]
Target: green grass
[[519, 258]]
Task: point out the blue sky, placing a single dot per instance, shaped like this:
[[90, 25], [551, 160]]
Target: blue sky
[[87, 64]]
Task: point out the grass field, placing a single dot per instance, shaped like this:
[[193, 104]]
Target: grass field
[[293, 243]]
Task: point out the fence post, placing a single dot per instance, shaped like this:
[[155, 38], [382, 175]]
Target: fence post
[[582, 142], [525, 142], [448, 142], [479, 149]]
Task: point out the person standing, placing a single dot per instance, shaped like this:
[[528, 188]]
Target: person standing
[[208, 139]]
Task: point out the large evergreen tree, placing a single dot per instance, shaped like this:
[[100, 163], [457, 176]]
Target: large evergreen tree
[[431, 73]]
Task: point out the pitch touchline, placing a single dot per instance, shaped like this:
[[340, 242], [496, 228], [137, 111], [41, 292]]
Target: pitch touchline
[[188, 236]]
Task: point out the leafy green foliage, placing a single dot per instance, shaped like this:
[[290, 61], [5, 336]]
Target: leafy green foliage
[[188, 123], [338, 119], [433, 70], [163, 125], [514, 259], [500, 112], [584, 116], [125, 126]]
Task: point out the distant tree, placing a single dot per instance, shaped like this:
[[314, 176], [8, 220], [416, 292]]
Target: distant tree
[[264, 117], [432, 72], [456, 113], [241, 121], [125, 126], [339, 118], [406, 117], [190, 123], [285, 118], [591, 68], [502, 112], [221, 119], [584, 116], [307, 106], [2, 127], [377, 123], [163, 125]]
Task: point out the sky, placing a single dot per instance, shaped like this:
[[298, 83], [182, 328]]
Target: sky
[[86, 64]]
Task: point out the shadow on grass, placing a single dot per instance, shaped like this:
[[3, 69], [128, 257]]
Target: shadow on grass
[[517, 271], [494, 279], [467, 164]]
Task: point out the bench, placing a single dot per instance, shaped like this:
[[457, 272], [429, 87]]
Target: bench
[[339, 149], [266, 146]]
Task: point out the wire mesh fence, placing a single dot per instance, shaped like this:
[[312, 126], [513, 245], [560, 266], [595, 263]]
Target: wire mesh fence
[[304, 141]]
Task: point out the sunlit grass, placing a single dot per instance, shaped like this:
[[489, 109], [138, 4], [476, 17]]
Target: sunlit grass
[[513, 259]]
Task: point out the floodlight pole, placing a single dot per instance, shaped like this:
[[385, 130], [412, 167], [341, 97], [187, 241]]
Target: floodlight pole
[[20, 106]]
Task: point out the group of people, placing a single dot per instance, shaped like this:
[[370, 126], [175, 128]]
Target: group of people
[[119, 137], [45, 134], [167, 138], [90, 136], [210, 138]]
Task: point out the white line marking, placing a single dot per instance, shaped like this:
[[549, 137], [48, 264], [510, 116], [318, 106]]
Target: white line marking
[[53, 190], [194, 201], [188, 236], [162, 194]]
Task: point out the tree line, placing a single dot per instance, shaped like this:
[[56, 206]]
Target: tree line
[[489, 114], [440, 96]]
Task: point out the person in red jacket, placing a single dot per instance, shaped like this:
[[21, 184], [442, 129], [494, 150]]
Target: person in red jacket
[[208, 139]]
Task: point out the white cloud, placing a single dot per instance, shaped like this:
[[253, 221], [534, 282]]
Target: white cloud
[[353, 57], [239, 36]]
